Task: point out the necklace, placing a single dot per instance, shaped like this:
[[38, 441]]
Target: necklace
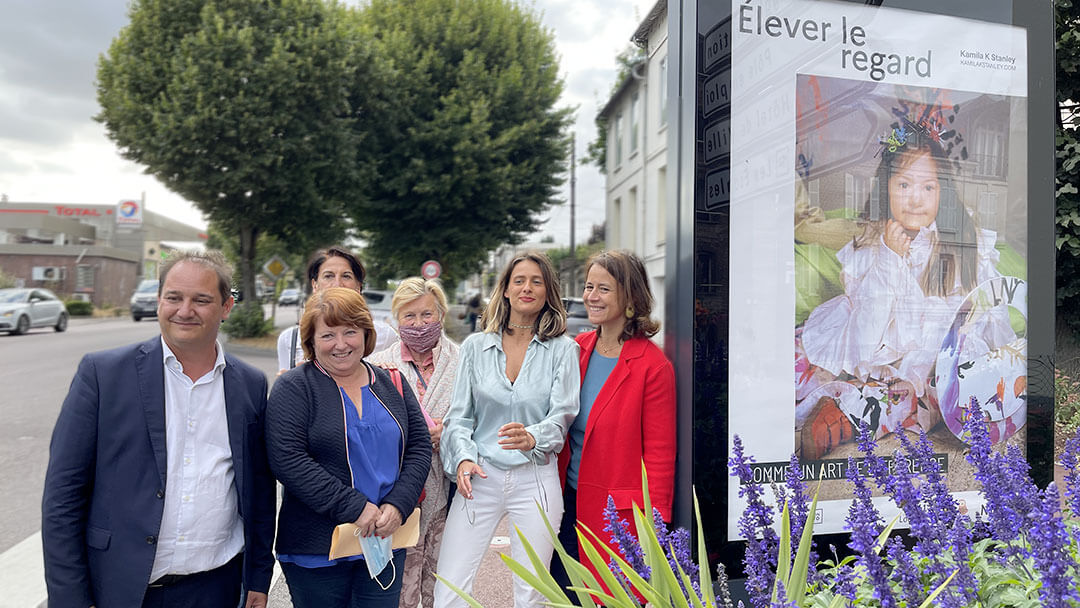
[[516, 326], [606, 349]]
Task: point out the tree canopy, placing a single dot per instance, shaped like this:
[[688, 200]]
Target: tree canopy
[[244, 108], [469, 143]]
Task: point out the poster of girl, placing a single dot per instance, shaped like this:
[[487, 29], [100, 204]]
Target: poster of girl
[[868, 355]]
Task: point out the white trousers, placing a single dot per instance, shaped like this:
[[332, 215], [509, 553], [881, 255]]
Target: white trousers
[[471, 524]]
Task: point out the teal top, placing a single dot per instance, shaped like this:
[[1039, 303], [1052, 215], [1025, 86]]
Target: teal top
[[544, 398], [373, 443], [595, 376]]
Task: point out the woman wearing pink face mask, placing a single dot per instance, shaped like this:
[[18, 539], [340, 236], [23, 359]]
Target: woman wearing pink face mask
[[428, 361]]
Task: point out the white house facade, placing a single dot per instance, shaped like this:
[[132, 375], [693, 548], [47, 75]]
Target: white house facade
[[637, 164]]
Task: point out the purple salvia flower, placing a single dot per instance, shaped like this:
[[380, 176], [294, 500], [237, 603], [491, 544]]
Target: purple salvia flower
[[930, 513], [676, 545], [1070, 461], [864, 522], [755, 525], [624, 582], [965, 585], [723, 595], [905, 572], [1051, 551], [678, 552], [799, 509], [781, 598], [844, 582], [997, 484], [900, 485], [931, 523], [628, 544], [943, 509]]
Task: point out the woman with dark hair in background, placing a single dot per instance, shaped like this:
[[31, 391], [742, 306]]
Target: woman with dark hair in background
[[331, 267], [515, 395], [627, 413]]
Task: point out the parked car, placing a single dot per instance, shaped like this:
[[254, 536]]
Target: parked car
[[21, 309], [144, 300], [577, 317], [289, 297], [379, 304]]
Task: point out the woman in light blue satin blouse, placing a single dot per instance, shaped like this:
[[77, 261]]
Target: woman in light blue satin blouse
[[515, 396]]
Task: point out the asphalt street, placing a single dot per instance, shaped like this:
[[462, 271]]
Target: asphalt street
[[35, 372]]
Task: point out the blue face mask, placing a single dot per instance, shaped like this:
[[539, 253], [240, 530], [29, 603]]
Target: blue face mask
[[378, 552]]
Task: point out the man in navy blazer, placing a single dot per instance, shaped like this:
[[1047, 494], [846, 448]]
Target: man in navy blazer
[[163, 441]]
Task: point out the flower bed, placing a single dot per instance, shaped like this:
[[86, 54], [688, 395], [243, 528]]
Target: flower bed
[[1022, 550]]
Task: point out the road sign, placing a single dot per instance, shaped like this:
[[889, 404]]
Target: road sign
[[430, 269], [275, 267]]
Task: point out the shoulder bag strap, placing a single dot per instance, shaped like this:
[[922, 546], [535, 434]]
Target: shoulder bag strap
[[418, 374], [395, 377], [292, 347]]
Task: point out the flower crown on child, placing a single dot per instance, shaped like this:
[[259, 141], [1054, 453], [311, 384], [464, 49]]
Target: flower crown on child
[[900, 133]]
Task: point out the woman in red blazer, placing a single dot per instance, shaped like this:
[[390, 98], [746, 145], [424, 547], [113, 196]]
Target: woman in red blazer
[[627, 411]]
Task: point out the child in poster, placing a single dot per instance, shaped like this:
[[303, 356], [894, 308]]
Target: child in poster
[[919, 256]]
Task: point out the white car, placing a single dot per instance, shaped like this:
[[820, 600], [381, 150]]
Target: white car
[[378, 303], [144, 301], [289, 297], [21, 309]]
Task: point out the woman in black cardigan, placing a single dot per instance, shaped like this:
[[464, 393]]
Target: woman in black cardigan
[[347, 447]]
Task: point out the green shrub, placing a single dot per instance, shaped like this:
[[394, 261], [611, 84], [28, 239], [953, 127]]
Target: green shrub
[[246, 321], [79, 308], [1067, 402]]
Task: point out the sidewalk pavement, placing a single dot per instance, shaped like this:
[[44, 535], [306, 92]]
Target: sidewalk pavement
[[493, 587]]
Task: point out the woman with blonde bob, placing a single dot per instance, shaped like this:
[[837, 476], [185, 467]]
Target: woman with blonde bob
[[514, 398], [428, 362], [347, 447]]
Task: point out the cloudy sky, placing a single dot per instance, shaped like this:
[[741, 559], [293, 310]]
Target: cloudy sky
[[52, 151]]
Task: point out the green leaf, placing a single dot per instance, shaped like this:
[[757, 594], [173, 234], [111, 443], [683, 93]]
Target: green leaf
[[704, 572], [783, 555], [465, 596], [621, 595], [800, 569], [540, 578], [654, 555], [884, 536], [930, 598], [688, 584], [643, 586], [580, 576], [662, 576], [554, 594]]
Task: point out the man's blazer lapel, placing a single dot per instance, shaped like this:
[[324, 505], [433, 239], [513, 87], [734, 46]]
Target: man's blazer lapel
[[150, 373], [236, 403]]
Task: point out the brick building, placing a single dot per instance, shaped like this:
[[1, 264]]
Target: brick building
[[93, 252]]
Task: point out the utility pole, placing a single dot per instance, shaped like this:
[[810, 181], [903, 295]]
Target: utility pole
[[573, 250]]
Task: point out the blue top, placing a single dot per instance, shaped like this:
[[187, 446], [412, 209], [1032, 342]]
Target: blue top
[[595, 376], [374, 443], [544, 398]]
